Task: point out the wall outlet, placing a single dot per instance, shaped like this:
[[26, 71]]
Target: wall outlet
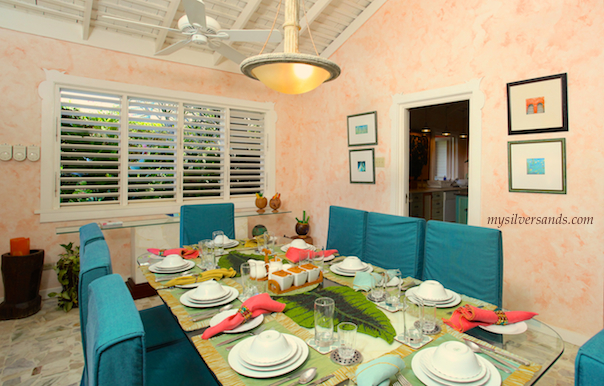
[[380, 162], [6, 152], [19, 153], [33, 153]]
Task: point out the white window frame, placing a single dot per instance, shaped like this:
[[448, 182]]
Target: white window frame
[[49, 166]]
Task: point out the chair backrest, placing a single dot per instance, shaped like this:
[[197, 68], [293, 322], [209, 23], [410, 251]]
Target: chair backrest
[[465, 259], [197, 222], [395, 242], [346, 231], [115, 354], [90, 233]]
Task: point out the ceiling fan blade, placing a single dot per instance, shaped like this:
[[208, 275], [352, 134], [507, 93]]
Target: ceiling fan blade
[[196, 12], [174, 47], [139, 23], [229, 52], [252, 35]]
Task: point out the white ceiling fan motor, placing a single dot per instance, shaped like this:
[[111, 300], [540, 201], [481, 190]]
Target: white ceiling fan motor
[[187, 28]]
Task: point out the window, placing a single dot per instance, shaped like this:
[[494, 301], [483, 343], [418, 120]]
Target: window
[[446, 158], [122, 150]]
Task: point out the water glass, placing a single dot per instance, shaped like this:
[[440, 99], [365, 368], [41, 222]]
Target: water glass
[[218, 245], [318, 258], [260, 243], [306, 258], [429, 317], [206, 248], [347, 335], [246, 281], [324, 309], [393, 292], [378, 287], [413, 334], [269, 241]]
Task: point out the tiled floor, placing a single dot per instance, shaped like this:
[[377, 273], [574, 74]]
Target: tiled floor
[[45, 349]]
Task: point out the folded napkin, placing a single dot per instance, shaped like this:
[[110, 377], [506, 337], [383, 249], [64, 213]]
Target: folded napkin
[[186, 253], [251, 308], [364, 281], [467, 317], [215, 274], [296, 254], [250, 243], [378, 371]]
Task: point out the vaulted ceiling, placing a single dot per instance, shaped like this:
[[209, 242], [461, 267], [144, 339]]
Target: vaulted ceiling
[[331, 22]]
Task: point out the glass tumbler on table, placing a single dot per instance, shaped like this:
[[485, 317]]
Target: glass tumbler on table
[[324, 309], [414, 334], [218, 238], [206, 248], [347, 335], [378, 287], [318, 258], [393, 288], [246, 282]]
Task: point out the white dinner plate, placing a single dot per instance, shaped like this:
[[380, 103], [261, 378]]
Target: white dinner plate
[[335, 270], [340, 268], [160, 268], [285, 247], [455, 299], [297, 354], [213, 298], [199, 301], [510, 329], [428, 363], [184, 299], [188, 265], [231, 244], [250, 324], [421, 373], [330, 257], [235, 362], [247, 357]]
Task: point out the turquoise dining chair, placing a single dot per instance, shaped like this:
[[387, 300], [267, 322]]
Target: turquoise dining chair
[[466, 259], [589, 363], [116, 352], [346, 231], [395, 242], [197, 222], [89, 233]]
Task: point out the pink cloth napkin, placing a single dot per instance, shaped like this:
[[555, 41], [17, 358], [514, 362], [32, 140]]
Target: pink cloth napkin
[[467, 317], [296, 254], [186, 253], [254, 306]]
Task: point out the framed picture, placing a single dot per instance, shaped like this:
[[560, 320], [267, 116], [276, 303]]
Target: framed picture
[[537, 166], [538, 105], [362, 166], [362, 129]]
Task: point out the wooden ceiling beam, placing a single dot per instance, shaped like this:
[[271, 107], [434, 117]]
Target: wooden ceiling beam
[[87, 19], [168, 19]]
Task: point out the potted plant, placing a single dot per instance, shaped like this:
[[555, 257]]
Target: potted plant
[[260, 202], [302, 227], [68, 273]]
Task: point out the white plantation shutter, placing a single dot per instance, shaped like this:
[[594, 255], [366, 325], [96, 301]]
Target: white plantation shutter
[[246, 152]]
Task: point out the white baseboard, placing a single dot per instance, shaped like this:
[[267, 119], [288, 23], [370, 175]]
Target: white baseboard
[[570, 336]]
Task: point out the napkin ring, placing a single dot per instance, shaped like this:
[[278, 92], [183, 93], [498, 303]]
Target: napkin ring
[[502, 318], [245, 312]]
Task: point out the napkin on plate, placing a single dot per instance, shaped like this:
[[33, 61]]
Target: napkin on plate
[[216, 274], [296, 254], [254, 306], [186, 253], [363, 281], [378, 371], [467, 317]]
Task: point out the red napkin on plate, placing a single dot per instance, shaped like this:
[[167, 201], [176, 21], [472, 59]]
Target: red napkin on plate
[[467, 317], [254, 306], [186, 253], [296, 254]]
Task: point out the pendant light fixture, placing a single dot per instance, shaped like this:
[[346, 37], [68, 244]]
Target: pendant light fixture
[[290, 72], [426, 129]]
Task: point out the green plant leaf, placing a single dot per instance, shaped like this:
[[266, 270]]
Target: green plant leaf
[[52, 294], [235, 259], [351, 306]]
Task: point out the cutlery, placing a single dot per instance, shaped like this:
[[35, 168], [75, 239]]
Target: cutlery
[[208, 314], [402, 380], [474, 347], [504, 354], [290, 377], [258, 331], [346, 382], [168, 278], [306, 377], [321, 380]]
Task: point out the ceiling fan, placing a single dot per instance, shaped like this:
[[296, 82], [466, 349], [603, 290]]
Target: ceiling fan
[[204, 30]]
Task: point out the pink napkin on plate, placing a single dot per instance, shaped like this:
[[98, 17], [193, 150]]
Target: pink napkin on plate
[[186, 253], [467, 317], [251, 308], [296, 254]]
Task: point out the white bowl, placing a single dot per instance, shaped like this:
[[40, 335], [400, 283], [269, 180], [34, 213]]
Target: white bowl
[[284, 278], [431, 290], [352, 263], [269, 346], [298, 243], [300, 275], [208, 290], [171, 261], [222, 239], [456, 360]]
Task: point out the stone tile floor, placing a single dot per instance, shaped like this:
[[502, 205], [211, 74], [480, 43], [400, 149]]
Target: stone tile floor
[[45, 349]]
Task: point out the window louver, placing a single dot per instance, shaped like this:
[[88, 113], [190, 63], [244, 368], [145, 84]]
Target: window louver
[[246, 152]]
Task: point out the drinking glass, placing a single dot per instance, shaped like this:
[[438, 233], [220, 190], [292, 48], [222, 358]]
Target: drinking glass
[[414, 335], [378, 287], [429, 317], [393, 292], [306, 258], [260, 243], [347, 335], [218, 245], [318, 258], [324, 309], [269, 241], [246, 281], [206, 248]]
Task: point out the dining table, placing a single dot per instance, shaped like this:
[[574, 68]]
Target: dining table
[[538, 347]]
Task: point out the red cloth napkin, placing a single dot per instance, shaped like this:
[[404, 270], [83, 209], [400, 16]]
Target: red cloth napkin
[[467, 317], [186, 253], [296, 254], [257, 305]]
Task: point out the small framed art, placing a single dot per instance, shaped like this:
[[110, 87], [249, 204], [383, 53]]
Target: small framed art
[[362, 166], [362, 129], [538, 105], [537, 166]]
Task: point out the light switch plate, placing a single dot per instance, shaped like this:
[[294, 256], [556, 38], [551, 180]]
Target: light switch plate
[[19, 153], [380, 162], [33, 153], [6, 152]]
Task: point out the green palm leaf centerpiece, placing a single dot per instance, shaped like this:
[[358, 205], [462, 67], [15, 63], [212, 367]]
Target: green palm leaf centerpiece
[[351, 306], [235, 259]]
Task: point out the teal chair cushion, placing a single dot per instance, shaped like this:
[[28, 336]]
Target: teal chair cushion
[[89, 233], [465, 259], [346, 231], [589, 363], [197, 222], [395, 242]]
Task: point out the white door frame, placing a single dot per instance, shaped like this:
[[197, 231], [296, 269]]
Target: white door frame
[[399, 115]]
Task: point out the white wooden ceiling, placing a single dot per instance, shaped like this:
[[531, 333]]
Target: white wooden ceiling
[[81, 21]]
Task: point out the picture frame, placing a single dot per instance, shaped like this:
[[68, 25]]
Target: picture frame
[[362, 166], [362, 129], [538, 105], [537, 166]]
